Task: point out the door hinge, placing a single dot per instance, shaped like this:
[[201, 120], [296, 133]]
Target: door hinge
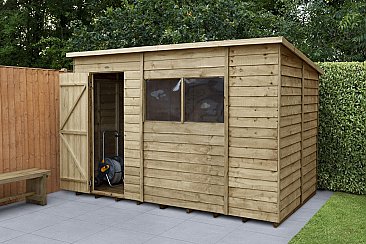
[[90, 182]]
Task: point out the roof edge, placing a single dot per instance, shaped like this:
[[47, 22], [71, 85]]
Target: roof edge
[[301, 55], [210, 44], [180, 46]]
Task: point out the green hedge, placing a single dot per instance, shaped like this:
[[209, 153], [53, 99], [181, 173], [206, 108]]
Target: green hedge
[[342, 128]]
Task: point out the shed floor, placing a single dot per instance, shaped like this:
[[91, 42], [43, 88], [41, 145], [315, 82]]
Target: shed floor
[[83, 219]]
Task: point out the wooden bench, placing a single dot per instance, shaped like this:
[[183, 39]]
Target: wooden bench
[[35, 184]]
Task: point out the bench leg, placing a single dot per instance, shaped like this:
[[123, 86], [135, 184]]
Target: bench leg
[[38, 186]]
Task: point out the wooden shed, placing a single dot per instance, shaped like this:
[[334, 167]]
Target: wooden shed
[[228, 127]]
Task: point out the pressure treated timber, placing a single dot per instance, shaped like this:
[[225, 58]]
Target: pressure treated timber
[[251, 165], [36, 191]]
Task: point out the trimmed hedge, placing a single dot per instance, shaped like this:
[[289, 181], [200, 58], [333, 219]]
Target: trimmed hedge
[[342, 128]]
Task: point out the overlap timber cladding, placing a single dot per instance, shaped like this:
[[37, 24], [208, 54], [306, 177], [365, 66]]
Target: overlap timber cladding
[[29, 118], [298, 132], [130, 65], [253, 134], [184, 162]]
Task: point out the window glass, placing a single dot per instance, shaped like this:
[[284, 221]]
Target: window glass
[[163, 100], [204, 99]]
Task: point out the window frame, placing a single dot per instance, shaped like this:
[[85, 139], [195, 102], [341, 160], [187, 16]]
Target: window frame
[[183, 100]]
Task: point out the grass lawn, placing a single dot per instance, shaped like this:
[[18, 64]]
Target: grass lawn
[[341, 220]]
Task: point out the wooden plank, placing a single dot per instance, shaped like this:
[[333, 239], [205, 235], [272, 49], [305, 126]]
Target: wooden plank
[[286, 171], [201, 169], [142, 119], [185, 54], [259, 153], [290, 120], [289, 189], [254, 59], [185, 186], [289, 208], [290, 130], [184, 176], [213, 129], [290, 159], [290, 100], [252, 112], [184, 148], [118, 58], [287, 81], [290, 110], [253, 163], [243, 142], [290, 91], [185, 139], [270, 102], [269, 69], [289, 140], [252, 214], [253, 174], [253, 122], [254, 80], [183, 157], [286, 151], [184, 195], [290, 198], [189, 63], [289, 179], [260, 206], [185, 204], [264, 196], [179, 73], [252, 132], [269, 91], [226, 132], [254, 49], [254, 184], [291, 71], [106, 67]]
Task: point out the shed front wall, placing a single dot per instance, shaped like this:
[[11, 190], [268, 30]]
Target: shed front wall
[[248, 166], [130, 64], [184, 162], [253, 131]]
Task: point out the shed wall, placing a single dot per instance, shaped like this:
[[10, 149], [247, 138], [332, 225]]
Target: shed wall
[[184, 162], [253, 131], [298, 132], [130, 64], [29, 118]]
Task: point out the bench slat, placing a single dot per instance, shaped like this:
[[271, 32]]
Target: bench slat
[[20, 175]]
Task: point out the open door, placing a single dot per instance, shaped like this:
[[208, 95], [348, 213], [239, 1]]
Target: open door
[[74, 132]]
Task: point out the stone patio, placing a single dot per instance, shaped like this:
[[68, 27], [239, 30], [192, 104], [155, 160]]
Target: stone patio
[[83, 219]]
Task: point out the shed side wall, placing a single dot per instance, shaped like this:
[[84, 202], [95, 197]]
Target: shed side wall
[[310, 132], [184, 162], [130, 65], [298, 132], [253, 130]]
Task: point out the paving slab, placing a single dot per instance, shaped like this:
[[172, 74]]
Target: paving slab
[[69, 218]]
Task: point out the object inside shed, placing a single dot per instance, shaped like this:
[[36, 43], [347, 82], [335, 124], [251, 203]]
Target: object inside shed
[[108, 125]]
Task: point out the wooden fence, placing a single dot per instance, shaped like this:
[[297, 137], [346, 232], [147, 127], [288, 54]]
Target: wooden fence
[[29, 115]]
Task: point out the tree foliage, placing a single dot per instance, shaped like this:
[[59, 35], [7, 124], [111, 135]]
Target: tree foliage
[[39, 33]]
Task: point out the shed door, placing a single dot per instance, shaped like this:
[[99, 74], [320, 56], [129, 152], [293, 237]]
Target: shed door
[[74, 121]]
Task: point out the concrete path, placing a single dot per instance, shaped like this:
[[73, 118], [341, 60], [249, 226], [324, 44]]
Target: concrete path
[[83, 219]]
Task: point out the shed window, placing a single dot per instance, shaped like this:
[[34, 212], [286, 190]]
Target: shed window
[[163, 99], [204, 99]]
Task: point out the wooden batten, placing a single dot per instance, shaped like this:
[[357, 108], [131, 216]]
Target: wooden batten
[[259, 163]]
